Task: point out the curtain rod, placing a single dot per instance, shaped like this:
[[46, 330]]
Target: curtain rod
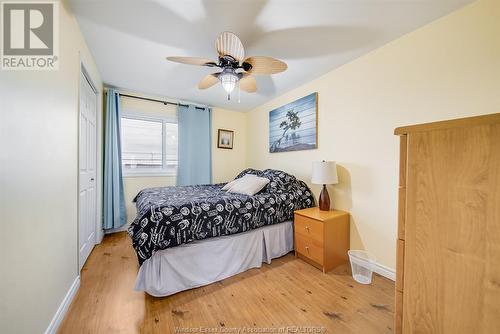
[[159, 101]]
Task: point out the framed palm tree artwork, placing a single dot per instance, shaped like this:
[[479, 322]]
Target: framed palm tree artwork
[[294, 126]]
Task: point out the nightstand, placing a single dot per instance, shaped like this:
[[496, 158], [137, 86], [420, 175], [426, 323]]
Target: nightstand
[[321, 237]]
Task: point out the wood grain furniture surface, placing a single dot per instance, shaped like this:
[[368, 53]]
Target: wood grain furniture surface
[[322, 237], [448, 247]]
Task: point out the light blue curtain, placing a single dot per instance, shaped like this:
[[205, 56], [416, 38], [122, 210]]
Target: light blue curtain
[[194, 151], [115, 214]]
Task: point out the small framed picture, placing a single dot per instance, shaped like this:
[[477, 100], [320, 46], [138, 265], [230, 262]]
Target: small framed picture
[[225, 139]]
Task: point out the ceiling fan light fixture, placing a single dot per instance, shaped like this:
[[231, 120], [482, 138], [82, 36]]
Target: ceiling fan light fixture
[[231, 58], [228, 79]]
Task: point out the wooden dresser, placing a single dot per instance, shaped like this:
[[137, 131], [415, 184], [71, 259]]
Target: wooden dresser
[[448, 248], [322, 237]]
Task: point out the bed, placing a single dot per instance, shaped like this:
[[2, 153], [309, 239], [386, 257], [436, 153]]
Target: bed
[[190, 236]]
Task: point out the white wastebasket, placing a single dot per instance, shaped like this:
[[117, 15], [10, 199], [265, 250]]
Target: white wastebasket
[[362, 264]]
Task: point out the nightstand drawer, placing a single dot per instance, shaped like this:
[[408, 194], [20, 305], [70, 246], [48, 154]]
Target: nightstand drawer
[[309, 228], [309, 248]]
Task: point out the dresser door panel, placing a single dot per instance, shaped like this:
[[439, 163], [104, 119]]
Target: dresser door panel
[[452, 231]]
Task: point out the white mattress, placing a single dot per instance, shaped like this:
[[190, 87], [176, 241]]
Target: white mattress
[[203, 262]]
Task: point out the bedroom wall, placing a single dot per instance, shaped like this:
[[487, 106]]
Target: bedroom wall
[[447, 69], [226, 164], [38, 184]]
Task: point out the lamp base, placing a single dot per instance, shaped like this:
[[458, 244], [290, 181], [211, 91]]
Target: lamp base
[[324, 200]]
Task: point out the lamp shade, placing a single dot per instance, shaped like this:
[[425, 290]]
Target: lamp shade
[[324, 172]]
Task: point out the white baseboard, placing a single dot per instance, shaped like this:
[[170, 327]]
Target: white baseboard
[[63, 308], [99, 236], [385, 271]]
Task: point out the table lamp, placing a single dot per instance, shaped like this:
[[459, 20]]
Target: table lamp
[[324, 172]]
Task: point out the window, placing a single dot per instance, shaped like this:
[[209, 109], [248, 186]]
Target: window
[[149, 146]]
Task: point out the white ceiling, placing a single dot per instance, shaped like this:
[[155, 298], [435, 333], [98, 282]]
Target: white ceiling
[[130, 39]]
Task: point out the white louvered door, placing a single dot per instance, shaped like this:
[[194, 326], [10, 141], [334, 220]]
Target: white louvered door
[[87, 171]]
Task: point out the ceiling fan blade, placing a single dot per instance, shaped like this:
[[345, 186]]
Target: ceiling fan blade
[[208, 81], [265, 65], [228, 44], [193, 61], [247, 83]]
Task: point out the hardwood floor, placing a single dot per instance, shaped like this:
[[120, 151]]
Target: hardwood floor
[[288, 293]]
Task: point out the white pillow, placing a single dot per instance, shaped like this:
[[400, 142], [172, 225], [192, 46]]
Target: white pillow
[[230, 184], [247, 185]]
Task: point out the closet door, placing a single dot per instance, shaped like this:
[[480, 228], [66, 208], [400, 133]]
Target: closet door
[[87, 205], [452, 231]]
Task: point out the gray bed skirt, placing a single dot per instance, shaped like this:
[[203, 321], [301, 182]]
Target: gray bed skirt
[[207, 261]]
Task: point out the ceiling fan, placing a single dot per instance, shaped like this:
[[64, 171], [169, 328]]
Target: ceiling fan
[[231, 59]]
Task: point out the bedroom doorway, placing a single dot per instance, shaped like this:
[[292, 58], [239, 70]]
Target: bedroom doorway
[[87, 169]]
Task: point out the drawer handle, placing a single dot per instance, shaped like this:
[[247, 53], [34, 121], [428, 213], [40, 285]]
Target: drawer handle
[[307, 228], [307, 249]]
